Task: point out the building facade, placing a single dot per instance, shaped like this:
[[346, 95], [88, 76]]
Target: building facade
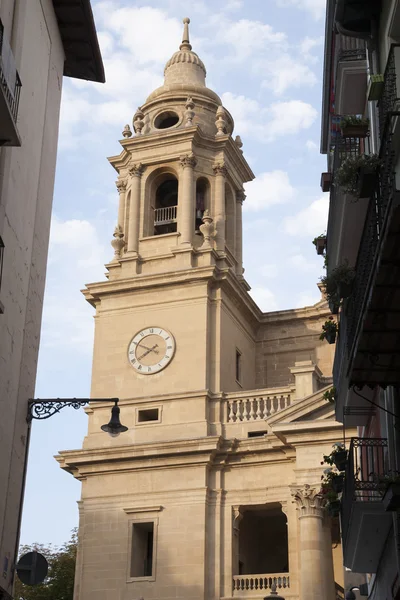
[[213, 492], [39, 42], [361, 139]]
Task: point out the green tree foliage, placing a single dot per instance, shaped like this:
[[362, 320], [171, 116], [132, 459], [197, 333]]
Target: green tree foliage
[[59, 583]]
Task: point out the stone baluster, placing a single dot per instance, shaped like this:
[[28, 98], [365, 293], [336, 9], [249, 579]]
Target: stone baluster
[[121, 187], [315, 577], [252, 413], [259, 411], [136, 172], [187, 196], [231, 411], [220, 176], [240, 197]]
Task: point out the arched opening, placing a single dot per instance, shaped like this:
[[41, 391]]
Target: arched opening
[[166, 120], [202, 192], [165, 209], [230, 219]]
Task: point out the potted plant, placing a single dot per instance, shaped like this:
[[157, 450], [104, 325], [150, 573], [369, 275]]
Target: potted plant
[[357, 174], [390, 484], [337, 457], [375, 87], [330, 395], [326, 181], [338, 284], [328, 492], [320, 243], [354, 126], [329, 331]]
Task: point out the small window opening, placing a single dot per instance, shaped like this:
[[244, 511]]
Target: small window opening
[[148, 414], [238, 365], [252, 434], [165, 212], [201, 189], [166, 120], [142, 549]]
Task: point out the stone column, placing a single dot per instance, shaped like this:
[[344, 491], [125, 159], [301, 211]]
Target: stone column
[[219, 208], [121, 187], [240, 197], [136, 172], [314, 578], [187, 196]]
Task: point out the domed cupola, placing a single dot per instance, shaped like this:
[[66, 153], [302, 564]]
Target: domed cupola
[[184, 99]]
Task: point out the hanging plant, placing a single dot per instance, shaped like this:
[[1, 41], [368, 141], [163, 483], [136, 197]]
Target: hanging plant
[[329, 331], [338, 284], [330, 395], [337, 458], [357, 174], [354, 126], [390, 485], [331, 486], [320, 243]]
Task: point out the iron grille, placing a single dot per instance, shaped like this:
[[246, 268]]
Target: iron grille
[[367, 461], [11, 93]]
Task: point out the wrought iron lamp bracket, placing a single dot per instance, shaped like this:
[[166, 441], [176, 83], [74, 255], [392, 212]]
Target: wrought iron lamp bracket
[[45, 408]]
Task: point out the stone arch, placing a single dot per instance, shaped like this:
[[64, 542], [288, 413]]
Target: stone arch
[[230, 217], [203, 199], [161, 202]]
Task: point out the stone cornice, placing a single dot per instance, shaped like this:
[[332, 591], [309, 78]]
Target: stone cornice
[[317, 311]]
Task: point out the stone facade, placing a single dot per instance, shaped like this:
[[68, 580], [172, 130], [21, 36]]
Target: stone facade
[[212, 491]]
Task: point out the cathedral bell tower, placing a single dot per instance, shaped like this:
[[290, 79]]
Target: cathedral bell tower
[[175, 316]]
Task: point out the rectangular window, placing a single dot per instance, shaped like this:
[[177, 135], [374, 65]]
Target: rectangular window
[[238, 366], [252, 434], [142, 549], [148, 414]]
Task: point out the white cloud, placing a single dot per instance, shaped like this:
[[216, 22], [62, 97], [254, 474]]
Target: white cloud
[[264, 298], [307, 298], [268, 189], [301, 263], [315, 7], [290, 117], [309, 221], [270, 271], [285, 72], [307, 45], [254, 37], [310, 145]]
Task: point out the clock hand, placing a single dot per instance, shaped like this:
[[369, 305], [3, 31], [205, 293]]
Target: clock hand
[[148, 352], [147, 348]]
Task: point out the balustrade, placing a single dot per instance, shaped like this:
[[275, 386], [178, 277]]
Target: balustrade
[[165, 215], [257, 407], [254, 583]]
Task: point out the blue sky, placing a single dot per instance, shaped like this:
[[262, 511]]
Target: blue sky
[[264, 58]]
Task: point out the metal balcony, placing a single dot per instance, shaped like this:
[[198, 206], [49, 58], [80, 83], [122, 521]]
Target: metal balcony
[[10, 88], [350, 75], [365, 524]]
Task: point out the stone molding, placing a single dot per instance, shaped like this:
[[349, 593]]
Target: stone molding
[[220, 169], [188, 160], [309, 502], [121, 186], [136, 170], [142, 509], [240, 196]]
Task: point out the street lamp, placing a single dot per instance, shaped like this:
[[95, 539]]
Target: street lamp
[[45, 408]]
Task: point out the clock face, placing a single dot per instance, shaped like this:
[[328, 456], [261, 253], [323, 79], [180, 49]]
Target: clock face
[[151, 350]]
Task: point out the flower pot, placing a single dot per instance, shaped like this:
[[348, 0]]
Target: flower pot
[[340, 460], [333, 306], [345, 289], [326, 181], [334, 508], [391, 499], [337, 483], [320, 244], [355, 131], [330, 337], [366, 183]]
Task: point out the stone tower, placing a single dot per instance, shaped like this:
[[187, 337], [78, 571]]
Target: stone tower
[[198, 499]]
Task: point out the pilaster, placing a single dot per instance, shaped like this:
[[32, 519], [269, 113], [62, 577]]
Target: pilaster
[[136, 172], [220, 172], [186, 225]]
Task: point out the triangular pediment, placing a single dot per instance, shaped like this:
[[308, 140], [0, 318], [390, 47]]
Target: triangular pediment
[[310, 409]]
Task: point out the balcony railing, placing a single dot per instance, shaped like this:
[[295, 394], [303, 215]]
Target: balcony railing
[[362, 510], [165, 216], [9, 78], [257, 406], [259, 583], [390, 99], [349, 48]]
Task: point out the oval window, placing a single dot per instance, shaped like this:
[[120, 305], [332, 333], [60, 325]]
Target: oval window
[[166, 120]]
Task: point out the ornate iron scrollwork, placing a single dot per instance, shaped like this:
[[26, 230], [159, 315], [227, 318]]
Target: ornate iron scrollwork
[[44, 409]]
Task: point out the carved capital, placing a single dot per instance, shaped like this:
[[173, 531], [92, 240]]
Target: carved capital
[[188, 160], [136, 170], [220, 169], [121, 186], [240, 196], [236, 517], [308, 500]]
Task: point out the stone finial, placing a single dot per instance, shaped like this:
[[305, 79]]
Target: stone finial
[[118, 242], [239, 143], [126, 132], [189, 112], [274, 594], [207, 230], [220, 122], [185, 38], [138, 122]]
